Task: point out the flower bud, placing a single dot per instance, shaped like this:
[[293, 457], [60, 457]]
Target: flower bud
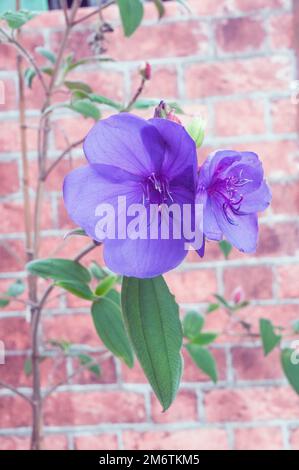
[[238, 295], [196, 129], [146, 71], [164, 111]]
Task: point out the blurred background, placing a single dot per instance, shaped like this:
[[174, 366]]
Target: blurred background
[[234, 62]]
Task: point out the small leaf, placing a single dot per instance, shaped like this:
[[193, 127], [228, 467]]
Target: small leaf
[[204, 338], [29, 75], [16, 289], [160, 7], [47, 70], [28, 367], [152, 319], [225, 247], [269, 338], [79, 289], [131, 13], [103, 100], [85, 359], [76, 231], [222, 300], [109, 325], [86, 109], [290, 364], [97, 271], [212, 307], [192, 324], [104, 287], [61, 344], [81, 86], [46, 53], [59, 269], [204, 359], [16, 19], [4, 302], [296, 326]]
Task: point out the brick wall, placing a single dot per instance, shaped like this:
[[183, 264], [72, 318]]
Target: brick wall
[[233, 61]]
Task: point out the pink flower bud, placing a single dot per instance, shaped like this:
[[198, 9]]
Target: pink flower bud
[[238, 295], [146, 71]]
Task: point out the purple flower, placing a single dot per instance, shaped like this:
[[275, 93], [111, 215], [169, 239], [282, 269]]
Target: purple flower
[[148, 162], [232, 189]]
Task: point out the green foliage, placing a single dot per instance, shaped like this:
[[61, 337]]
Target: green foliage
[[290, 365], [103, 100], [59, 269], [204, 360], [226, 248], [192, 324], [269, 338], [160, 7], [152, 319], [212, 307], [28, 367], [79, 289], [296, 326], [131, 13], [204, 338], [14, 290], [109, 325], [85, 108], [196, 129], [106, 285], [16, 19], [85, 359], [75, 85], [49, 55]]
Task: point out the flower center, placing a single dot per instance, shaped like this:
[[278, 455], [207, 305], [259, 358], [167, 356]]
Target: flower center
[[156, 190]]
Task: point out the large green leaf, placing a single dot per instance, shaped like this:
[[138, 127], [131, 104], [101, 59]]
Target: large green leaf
[[109, 325], [290, 367], [204, 359], [131, 13], [269, 338], [59, 269], [152, 319], [79, 289]]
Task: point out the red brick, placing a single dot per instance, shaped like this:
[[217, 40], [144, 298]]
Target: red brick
[[12, 255], [273, 240], [192, 286], [12, 216], [96, 442], [183, 409], [75, 128], [188, 38], [30, 40], [251, 364], [211, 7], [229, 77], [8, 101], [10, 136], [256, 281], [108, 374], [250, 5], [249, 404], [163, 83], [228, 122], [78, 42], [281, 31], [94, 408], [55, 442], [285, 198], [77, 328], [284, 115], [14, 443], [187, 439], [295, 439], [262, 438], [109, 83], [16, 333], [9, 177], [19, 412], [288, 281], [239, 35]]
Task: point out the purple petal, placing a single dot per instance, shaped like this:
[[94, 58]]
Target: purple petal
[[180, 150], [211, 228], [143, 258], [125, 141], [257, 201], [84, 189]]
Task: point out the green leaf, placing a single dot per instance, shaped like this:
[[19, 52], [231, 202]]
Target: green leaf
[[69, 65], [104, 287], [16, 19], [16, 289], [222, 300], [81, 86], [160, 7], [29, 75], [85, 359], [192, 324], [109, 325], [28, 367], [296, 326], [47, 70], [103, 100], [59, 269], [75, 232], [86, 109], [61, 344], [152, 319], [269, 338], [131, 13], [226, 248], [290, 367], [4, 302], [204, 359], [47, 54], [204, 338], [97, 271], [212, 307], [79, 289]]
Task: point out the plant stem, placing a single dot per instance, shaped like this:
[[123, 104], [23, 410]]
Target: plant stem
[[16, 391], [135, 97]]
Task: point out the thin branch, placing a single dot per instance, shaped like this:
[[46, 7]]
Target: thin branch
[[95, 12], [16, 391], [63, 5], [135, 97], [61, 156]]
